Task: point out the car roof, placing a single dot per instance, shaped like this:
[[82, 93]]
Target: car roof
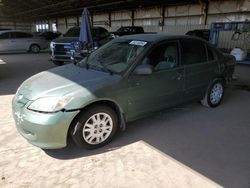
[[158, 37], [129, 26], [94, 27], [7, 31]]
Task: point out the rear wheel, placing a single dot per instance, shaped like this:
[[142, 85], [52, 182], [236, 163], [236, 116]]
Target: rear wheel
[[58, 63], [94, 127], [34, 48], [214, 94]]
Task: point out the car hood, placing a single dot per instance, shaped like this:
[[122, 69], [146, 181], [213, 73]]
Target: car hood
[[65, 39], [66, 80]]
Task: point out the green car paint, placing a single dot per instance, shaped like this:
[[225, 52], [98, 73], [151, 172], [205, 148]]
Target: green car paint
[[133, 95]]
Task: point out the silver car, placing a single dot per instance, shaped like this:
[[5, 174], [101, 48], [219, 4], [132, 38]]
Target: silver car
[[11, 41]]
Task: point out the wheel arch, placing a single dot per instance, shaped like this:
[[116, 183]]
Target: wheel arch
[[217, 78], [107, 102], [205, 95], [112, 104], [33, 43]]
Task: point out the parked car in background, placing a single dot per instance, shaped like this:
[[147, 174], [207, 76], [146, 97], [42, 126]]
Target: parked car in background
[[201, 33], [11, 41], [60, 47], [4, 29], [48, 35], [125, 79], [128, 30]]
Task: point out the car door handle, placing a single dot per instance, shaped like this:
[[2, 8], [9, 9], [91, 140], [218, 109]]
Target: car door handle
[[12, 41]]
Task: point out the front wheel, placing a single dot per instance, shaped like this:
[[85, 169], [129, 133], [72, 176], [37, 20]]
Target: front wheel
[[94, 127], [214, 94], [34, 48]]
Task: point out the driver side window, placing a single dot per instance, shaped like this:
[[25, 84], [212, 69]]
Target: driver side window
[[163, 57]]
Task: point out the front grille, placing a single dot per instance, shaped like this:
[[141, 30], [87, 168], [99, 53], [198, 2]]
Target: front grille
[[60, 49]]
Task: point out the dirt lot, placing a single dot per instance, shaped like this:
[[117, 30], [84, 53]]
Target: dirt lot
[[188, 146]]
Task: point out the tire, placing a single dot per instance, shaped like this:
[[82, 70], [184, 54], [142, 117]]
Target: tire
[[34, 48], [214, 94], [87, 133], [58, 63]]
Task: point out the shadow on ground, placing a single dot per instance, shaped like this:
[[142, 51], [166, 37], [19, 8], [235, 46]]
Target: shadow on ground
[[210, 141]]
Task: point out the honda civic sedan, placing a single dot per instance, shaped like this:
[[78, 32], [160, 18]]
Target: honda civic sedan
[[126, 79]]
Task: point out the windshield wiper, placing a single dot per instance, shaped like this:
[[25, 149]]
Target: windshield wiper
[[85, 63], [102, 67]]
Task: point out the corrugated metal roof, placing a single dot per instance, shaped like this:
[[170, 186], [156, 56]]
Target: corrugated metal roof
[[44, 9]]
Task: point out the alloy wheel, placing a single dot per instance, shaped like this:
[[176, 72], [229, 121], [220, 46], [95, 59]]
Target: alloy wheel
[[97, 128], [216, 93]]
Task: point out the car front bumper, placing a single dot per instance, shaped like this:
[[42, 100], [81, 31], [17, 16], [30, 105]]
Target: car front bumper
[[44, 130], [63, 58]]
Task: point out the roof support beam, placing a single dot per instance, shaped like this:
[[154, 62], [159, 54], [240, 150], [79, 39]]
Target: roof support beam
[[109, 21], [66, 22], [162, 21], [42, 8], [133, 17], [204, 11]]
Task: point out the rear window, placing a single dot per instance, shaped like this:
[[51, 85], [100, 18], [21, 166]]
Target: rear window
[[104, 32], [73, 32], [20, 35], [193, 52], [123, 29], [211, 54]]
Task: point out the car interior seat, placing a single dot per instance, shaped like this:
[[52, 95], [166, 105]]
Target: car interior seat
[[169, 59]]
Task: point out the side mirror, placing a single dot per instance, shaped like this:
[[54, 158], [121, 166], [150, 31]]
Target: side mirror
[[143, 70]]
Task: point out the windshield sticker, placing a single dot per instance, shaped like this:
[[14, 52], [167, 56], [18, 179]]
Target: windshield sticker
[[138, 43]]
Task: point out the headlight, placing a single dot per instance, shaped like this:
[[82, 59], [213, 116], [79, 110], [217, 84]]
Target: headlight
[[52, 45], [50, 104]]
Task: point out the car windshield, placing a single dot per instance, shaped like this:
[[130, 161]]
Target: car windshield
[[72, 32], [116, 56], [123, 29]]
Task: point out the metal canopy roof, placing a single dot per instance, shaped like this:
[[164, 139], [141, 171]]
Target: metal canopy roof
[[31, 10]]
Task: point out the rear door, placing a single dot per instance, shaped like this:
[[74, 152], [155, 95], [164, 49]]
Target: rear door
[[199, 69], [14, 43], [20, 40]]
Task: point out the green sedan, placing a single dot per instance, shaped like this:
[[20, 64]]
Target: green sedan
[[126, 79]]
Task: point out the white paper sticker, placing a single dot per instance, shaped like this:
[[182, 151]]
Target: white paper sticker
[[138, 43]]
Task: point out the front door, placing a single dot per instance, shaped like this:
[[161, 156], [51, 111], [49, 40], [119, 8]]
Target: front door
[[163, 88]]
